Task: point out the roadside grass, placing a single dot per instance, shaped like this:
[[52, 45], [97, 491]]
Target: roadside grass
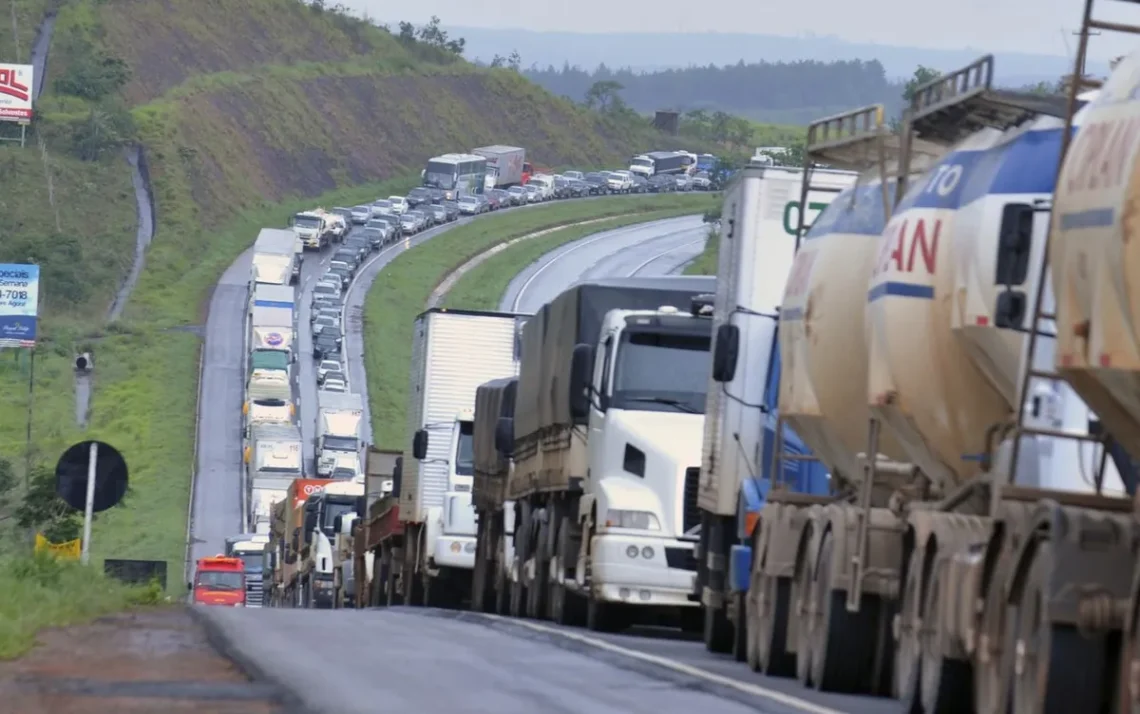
[[44, 592], [145, 382], [482, 287], [705, 263], [404, 286]]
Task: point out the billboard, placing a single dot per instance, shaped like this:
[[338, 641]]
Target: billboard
[[19, 300], [16, 87]]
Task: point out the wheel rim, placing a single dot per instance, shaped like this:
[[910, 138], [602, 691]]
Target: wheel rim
[[930, 642], [1031, 647], [991, 677]]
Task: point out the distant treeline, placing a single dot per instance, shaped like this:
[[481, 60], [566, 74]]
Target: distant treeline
[[781, 92]]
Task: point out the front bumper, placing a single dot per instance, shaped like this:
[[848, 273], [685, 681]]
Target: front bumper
[[454, 551], [645, 577]]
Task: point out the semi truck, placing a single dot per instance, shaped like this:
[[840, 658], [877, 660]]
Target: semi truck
[[276, 260], [491, 449], [286, 516], [606, 441], [269, 378], [660, 162], [431, 527], [218, 581], [760, 220], [250, 547], [977, 551], [506, 165], [340, 417], [264, 410], [323, 515], [353, 558], [273, 460], [271, 318], [313, 229]]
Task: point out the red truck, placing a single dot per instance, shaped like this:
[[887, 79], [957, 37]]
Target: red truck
[[219, 580]]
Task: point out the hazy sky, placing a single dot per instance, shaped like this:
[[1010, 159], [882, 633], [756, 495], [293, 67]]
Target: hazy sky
[[1040, 26]]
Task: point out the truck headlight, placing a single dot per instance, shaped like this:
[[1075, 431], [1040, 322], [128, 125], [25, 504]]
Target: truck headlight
[[637, 520]]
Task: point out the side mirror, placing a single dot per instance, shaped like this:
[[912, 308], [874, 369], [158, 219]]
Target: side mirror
[[1011, 308], [505, 436], [726, 351], [420, 444], [337, 523], [581, 367]]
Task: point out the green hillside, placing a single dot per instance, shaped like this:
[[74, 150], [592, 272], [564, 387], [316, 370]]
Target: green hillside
[[245, 111]]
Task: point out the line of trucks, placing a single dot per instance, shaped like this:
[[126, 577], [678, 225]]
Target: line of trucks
[[891, 449]]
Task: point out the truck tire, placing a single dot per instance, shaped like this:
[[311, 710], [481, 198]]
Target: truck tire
[[740, 628], [842, 638], [717, 632], [518, 596]]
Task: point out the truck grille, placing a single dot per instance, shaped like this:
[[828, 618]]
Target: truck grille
[[691, 514], [254, 591]]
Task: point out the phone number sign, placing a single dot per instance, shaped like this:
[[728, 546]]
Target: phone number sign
[[19, 302]]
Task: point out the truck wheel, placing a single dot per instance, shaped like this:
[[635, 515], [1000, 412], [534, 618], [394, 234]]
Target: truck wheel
[[717, 630], [501, 591], [908, 652], [537, 589], [391, 596], [772, 636], [740, 628], [947, 684], [518, 591], [842, 638], [602, 616]]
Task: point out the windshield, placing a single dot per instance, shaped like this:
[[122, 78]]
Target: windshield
[[341, 443], [220, 580], [306, 222], [465, 449], [440, 175], [332, 510], [647, 163], [253, 561], [657, 368]]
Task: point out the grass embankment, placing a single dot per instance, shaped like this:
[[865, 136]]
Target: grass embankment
[[43, 592], [402, 289], [482, 287], [705, 263]]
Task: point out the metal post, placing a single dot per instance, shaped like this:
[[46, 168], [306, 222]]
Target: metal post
[[31, 402], [89, 506]]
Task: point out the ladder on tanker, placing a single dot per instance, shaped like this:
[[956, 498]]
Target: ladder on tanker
[[1041, 320]]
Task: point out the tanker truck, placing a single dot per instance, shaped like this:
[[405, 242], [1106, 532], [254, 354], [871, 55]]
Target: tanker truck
[[970, 487], [606, 445], [762, 215]]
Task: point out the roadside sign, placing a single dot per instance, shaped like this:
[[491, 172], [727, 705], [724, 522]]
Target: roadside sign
[[17, 86], [19, 302]]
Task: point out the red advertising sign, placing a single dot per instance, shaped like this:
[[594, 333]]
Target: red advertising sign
[[16, 88], [302, 488]]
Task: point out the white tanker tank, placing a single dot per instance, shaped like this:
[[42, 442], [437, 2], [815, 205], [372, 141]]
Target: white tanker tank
[[1096, 258], [941, 369], [823, 385]]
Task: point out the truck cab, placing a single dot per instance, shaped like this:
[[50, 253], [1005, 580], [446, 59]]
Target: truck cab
[[251, 549], [451, 528], [338, 446], [312, 229], [323, 512], [641, 391], [219, 580]]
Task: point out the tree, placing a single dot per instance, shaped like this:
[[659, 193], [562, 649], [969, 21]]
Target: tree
[[921, 76], [42, 509], [603, 95], [498, 61], [514, 61], [407, 32]]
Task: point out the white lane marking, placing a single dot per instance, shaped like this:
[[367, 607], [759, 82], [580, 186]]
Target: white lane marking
[[662, 254], [752, 689], [578, 246]]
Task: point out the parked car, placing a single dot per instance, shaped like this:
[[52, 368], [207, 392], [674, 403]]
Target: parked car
[[325, 311], [503, 197], [684, 182], [702, 181], [327, 366], [519, 195], [337, 374], [399, 205], [561, 187], [574, 175], [341, 273], [361, 214], [347, 254], [662, 183], [326, 291], [335, 384], [493, 203], [376, 237], [534, 193], [409, 223], [381, 207], [345, 214], [438, 212], [469, 206], [394, 226], [599, 184], [327, 345], [419, 196], [323, 322]]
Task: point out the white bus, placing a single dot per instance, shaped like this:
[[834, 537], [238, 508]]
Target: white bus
[[456, 174]]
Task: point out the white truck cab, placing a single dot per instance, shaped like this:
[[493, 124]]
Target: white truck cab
[[323, 513], [451, 527], [312, 228], [643, 392], [545, 184]]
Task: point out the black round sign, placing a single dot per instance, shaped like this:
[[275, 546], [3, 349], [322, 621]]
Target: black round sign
[[110, 476]]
